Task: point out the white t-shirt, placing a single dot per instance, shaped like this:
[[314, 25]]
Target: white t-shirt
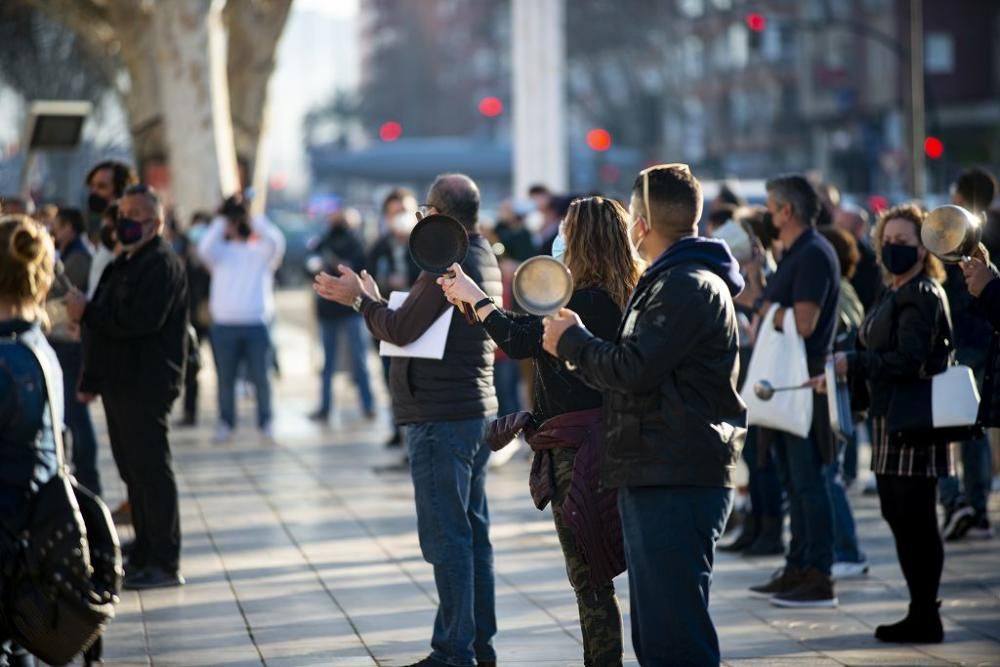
[[242, 290]]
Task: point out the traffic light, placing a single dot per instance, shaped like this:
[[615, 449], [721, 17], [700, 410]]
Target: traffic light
[[491, 107], [756, 24], [599, 139], [933, 147], [390, 131]]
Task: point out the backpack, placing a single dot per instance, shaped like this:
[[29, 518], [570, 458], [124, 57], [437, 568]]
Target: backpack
[[62, 582]]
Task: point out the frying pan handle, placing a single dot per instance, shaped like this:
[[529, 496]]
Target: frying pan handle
[[470, 314]]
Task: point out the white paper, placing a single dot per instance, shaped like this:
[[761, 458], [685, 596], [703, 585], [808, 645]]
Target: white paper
[[430, 345]]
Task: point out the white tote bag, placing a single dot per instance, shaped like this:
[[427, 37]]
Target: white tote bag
[[780, 358]]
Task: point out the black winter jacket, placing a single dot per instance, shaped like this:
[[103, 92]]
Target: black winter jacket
[[674, 415], [338, 245], [988, 306], [906, 336]]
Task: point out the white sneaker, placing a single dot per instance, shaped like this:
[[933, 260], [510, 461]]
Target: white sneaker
[[846, 570], [267, 433], [223, 434], [504, 456]]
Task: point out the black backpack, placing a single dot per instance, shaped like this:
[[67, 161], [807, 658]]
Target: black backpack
[[61, 583]]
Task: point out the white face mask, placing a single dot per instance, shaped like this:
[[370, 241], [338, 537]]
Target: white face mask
[[403, 223], [636, 245], [559, 246]]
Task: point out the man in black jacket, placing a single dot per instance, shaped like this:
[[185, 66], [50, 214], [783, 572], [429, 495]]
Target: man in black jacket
[[341, 245], [136, 326], [444, 405], [675, 421]]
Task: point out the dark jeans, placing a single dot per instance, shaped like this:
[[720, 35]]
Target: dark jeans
[[448, 467], [765, 489], [137, 426], [250, 344], [800, 470], [507, 379], [352, 326], [909, 507], [977, 468], [78, 421], [670, 537], [845, 537], [191, 388]]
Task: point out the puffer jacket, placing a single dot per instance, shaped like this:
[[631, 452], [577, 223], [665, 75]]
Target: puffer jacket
[[674, 416]]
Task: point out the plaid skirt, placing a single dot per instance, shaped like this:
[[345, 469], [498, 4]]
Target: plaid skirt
[[907, 460]]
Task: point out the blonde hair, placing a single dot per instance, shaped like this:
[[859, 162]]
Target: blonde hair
[[915, 215], [27, 265], [598, 252]]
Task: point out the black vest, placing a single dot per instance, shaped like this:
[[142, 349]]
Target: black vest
[[459, 386]]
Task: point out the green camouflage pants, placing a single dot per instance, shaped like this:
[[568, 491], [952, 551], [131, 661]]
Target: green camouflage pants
[[600, 616]]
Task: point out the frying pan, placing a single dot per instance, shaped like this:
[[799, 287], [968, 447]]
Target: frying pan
[[951, 233], [437, 242], [543, 285]]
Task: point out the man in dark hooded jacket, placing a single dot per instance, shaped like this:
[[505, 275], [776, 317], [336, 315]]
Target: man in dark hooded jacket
[[675, 421]]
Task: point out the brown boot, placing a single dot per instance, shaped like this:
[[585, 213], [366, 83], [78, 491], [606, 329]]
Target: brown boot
[[814, 591], [782, 581]]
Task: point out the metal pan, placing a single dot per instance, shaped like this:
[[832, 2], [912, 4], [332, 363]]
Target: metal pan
[[951, 233], [543, 285], [437, 242]]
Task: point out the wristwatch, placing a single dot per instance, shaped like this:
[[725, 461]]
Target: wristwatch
[[356, 304], [482, 303]]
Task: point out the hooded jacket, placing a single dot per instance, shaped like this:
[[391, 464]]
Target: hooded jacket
[[674, 415]]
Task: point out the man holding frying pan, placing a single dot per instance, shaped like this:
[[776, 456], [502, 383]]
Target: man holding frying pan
[[445, 405]]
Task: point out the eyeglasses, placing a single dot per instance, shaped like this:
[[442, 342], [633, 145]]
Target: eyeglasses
[[424, 210], [645, 182]]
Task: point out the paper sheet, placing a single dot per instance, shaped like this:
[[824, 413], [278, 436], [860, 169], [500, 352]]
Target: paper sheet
[[429, 346]]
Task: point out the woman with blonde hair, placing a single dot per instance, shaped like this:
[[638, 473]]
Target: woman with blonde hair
[[27, 440], [565, 430]]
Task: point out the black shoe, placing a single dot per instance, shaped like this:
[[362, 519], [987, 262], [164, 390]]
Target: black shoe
[[782, 581], [749, 533], [187, 422], [768, 542], [396, 440], [981, 528], [815, 591], [152, 577], [319, 416], [958, 519], [921, 626], [430, 662], [486, 663]]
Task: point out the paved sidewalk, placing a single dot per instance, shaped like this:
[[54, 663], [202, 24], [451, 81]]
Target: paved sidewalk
[[305, 552]]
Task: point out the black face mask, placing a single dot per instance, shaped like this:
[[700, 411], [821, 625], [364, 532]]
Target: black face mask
[[96, 203], [108, 237], [898, 258], [128, 231]]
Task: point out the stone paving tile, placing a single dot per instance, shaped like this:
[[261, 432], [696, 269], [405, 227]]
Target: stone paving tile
[[305, 553]]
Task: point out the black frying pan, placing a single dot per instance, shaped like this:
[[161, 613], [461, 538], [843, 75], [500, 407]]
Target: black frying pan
[[437, 242]]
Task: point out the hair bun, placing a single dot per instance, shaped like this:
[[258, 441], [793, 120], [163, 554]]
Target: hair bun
[[27, 246]]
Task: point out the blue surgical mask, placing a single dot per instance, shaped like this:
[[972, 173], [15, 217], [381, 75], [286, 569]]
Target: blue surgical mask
[[559, 246]]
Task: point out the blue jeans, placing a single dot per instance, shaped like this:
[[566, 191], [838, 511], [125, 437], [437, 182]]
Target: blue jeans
[[765, 489], [448, 467], [353, 326], [507, 379], [670, 536], [251, 344], [810, 510], [977, 465], [845, 537], [78, 421]]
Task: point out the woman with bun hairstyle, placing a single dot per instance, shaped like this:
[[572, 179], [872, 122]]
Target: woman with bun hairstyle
[[566, 427], [27, 441]]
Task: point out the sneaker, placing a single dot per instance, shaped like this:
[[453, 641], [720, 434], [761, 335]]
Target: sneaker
[[981, 528], [815, 591], [152, 577], [848, 570], [223, 434], [957, 522], [319, 416], [781, 581]]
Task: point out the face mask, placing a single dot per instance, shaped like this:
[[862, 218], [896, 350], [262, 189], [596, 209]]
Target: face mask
[[108, 237], [559, 246], [636, 245], [898, 258], [96, 203], [129, 231], [197, 233]]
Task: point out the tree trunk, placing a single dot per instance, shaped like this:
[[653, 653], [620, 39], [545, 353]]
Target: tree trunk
[[142, 96], [191, 59], [254, 28]]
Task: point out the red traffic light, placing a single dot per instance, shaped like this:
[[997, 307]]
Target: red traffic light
[[490, 107], [756, 22], [599, 139], [390, 131], [934, 148]]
